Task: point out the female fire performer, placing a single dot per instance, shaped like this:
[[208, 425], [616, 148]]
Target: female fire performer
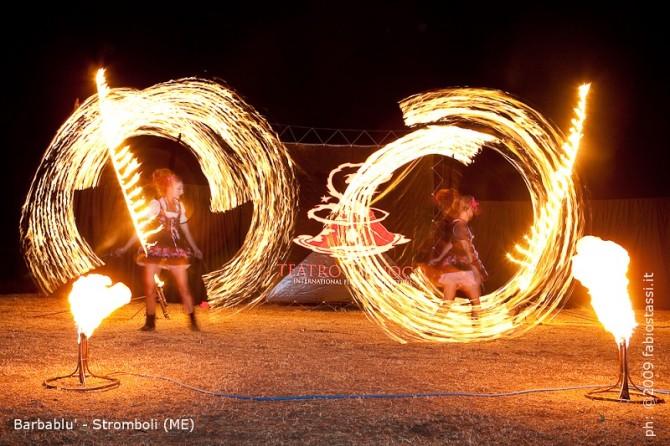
[[456, 260], [171, 248]]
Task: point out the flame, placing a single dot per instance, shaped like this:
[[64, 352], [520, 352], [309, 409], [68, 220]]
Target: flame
[[93, 298], [601, 266], [240, 155], [407, 309]]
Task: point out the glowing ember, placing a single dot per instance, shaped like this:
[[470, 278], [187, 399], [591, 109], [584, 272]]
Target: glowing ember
[[93, 298], [543, 158], [239, 154], [601, 266]]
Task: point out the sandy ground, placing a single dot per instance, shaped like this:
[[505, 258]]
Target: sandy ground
[[287, 375]]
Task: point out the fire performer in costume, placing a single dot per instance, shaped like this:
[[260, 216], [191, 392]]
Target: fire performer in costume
[[172, 248], [456, 260]]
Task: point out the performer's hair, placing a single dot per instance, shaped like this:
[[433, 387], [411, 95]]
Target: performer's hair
[[451, 203], [162, 179]]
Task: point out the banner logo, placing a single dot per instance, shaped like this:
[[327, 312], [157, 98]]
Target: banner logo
[[377, 238]]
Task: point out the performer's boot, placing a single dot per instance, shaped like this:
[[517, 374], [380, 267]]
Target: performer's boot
[[150, 324], [194, 325]]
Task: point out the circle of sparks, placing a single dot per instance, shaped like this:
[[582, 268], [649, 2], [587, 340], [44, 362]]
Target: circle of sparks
[[255, 167], [409, 310]]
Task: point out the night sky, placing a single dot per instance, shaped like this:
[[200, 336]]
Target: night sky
[[341, 65]]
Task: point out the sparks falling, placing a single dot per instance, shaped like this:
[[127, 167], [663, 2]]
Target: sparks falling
[[238, 152], [543, 158]]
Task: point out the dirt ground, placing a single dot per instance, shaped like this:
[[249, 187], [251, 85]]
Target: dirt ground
[[291, 375]]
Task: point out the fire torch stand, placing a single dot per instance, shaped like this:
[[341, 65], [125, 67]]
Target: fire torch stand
[[82, 372], [627, 391], [160, 297]]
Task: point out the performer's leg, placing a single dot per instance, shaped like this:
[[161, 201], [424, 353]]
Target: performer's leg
[[181, 281], [150, 296], [449, 291], [448, 295], [473, 293]]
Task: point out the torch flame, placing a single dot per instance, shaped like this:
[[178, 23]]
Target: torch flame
[[601, 267], [93, 298], [158, 280]]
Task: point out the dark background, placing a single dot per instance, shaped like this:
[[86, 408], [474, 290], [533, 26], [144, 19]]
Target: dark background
[[345, 65]]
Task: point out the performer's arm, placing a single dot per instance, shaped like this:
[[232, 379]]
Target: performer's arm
[[131, 241], [189, 238], [445, 249], [154, 209], [465, 237], [183, 223], [475, 263]]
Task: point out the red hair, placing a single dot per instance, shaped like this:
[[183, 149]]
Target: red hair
[[163, 179], [451, 203]]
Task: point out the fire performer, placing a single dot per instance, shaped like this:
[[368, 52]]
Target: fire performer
[[455, 263], [172, 248]]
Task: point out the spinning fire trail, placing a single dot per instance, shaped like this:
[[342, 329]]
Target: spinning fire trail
[[125, 166], [542, 157], [244, 161], [239, 154]]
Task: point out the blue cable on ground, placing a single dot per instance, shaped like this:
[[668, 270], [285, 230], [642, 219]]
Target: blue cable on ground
[[368, 395]]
